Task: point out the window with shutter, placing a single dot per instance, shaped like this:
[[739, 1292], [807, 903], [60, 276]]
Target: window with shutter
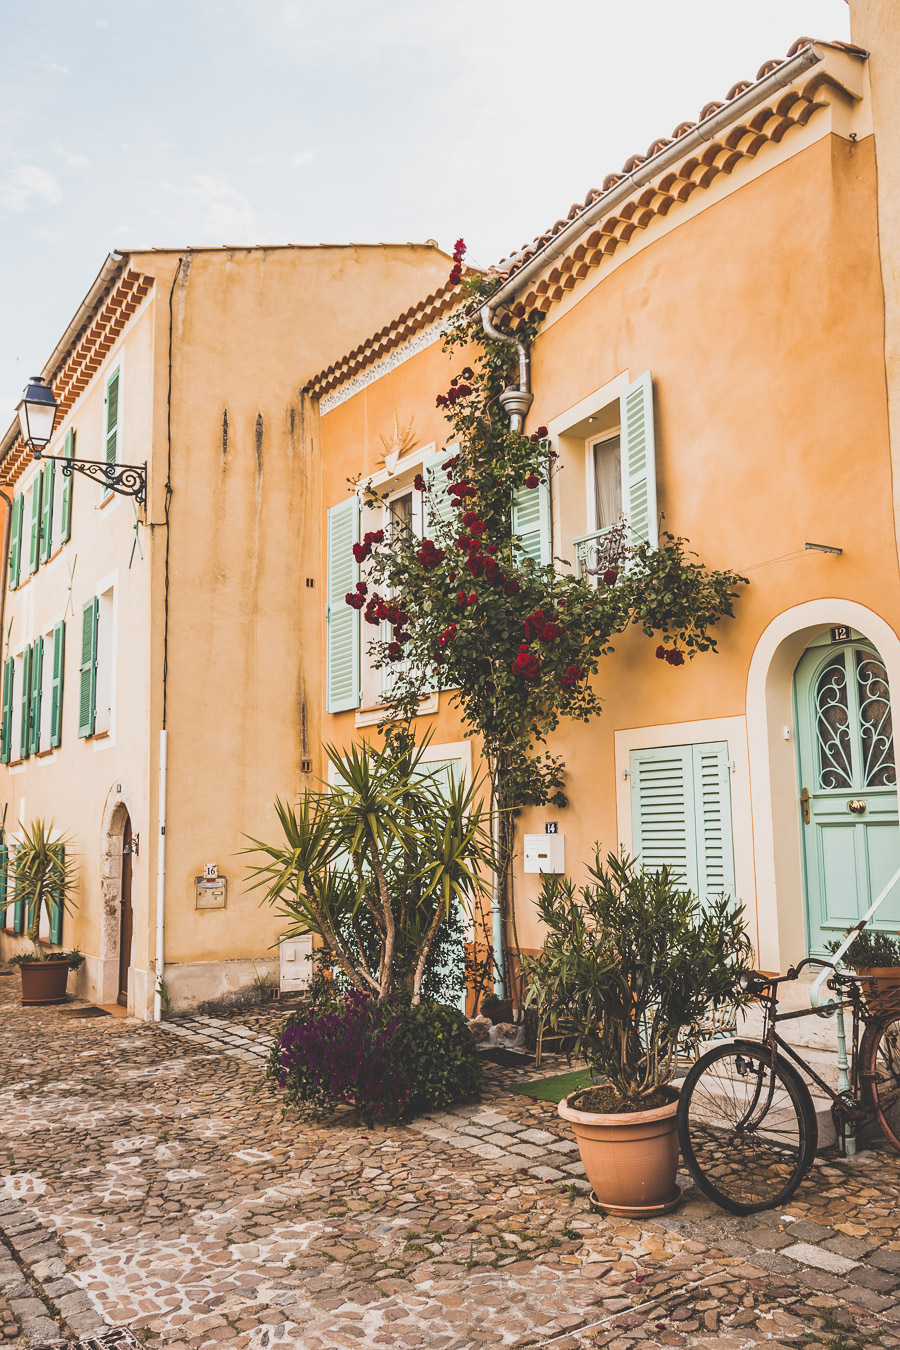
[[6, 723], [47, 476], [112, 417], [35, 546], [87, 705], [56, 694], [65, 513], [37, 677], [681, 814], [25, 729], [531, 523], [18, 907], [438, 503], [342, 641], [639, 459], [15, 541]]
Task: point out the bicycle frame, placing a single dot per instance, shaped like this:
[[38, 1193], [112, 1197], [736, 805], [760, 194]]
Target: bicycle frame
[[846, 1102]]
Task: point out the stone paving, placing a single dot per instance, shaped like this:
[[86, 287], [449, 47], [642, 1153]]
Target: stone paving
[[150, 1180]]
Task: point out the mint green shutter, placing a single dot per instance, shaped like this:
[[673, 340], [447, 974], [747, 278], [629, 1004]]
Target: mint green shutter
[[48, 476], [18, 909], [4, 873], [25, 739], [639, 460], [65, 514], [9, 675], [87, 706], [15, 542], [342, 639], [681, 814], [112, 417], [35, 549], [56, 915], [438, 503], [531, 523], [37, 680], [56, 690]]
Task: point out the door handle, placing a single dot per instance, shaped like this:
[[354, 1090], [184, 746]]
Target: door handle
[[804, 805], [857, 807]]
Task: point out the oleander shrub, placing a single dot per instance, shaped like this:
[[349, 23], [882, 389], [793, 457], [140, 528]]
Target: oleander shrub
[[387, 1059]]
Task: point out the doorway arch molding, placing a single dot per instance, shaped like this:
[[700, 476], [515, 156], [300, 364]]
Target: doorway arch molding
[[773, 773], [120, 805]]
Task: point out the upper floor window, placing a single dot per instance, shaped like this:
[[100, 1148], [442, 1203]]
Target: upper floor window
[[606, 479]]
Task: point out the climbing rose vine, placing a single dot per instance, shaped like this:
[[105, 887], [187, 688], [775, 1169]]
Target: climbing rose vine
[[517, 644]]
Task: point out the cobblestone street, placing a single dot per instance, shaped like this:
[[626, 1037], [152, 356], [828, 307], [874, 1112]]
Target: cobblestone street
[[151, 1181]]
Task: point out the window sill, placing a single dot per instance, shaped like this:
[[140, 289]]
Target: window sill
[[15, 763], [368, 717], [98, 735], [42, 754], [105, 501]]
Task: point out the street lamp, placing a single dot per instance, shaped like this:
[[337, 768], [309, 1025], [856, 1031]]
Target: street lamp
[[37, 416]]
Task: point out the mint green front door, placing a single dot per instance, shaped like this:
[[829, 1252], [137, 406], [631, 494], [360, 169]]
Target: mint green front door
[[848, 789]]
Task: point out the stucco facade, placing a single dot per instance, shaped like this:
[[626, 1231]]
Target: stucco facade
[[745, 277], [208, 599]]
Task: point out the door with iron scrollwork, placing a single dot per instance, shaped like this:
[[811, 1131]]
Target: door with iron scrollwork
[[848, 789]]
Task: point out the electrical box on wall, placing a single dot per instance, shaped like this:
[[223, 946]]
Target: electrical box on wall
[[295, 968], [545, 853], [210, 892]]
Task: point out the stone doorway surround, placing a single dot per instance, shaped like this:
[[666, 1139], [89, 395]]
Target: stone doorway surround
[[773, 767], [120, 806]]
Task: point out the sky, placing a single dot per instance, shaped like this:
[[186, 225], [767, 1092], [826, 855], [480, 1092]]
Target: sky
[[189, 122]]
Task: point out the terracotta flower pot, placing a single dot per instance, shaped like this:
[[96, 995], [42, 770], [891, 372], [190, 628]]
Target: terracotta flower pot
[[44, 981], [631, 1158], [881, 986]]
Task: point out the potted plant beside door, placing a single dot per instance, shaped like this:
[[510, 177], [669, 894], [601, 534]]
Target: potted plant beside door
[[43, 884], [630, 960], [875, 956]]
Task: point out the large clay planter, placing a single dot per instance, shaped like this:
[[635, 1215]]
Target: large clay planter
[[631, 1159], [44, 981]]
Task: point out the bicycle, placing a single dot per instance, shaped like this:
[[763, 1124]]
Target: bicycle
[[746, 1122]]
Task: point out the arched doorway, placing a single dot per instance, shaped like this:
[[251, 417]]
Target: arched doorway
[[848, 786], [126, 914]]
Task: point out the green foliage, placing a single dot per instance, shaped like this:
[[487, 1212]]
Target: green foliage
[[44, 878], [870, 950], [630, 960], [387, 1059], [375, 866], [75, 958], [516, 645]]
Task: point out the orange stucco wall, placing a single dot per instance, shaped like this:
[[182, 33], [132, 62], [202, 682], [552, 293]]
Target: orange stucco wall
[[761, 320]]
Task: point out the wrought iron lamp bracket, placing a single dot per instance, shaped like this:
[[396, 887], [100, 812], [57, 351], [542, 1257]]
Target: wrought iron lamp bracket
[[128, 480]]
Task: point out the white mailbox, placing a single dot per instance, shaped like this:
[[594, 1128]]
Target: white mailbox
[[295, 969], [545, 853]]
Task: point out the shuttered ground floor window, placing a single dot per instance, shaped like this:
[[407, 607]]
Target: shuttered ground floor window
[[681, 814]]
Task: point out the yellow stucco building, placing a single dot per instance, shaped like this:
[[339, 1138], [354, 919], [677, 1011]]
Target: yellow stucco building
[[712, 355], [196, 616]]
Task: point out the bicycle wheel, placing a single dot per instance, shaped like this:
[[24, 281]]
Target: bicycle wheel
[[880, 1056], [747, 1140]]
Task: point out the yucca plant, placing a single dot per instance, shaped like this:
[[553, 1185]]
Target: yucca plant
[[388, 849], [44, 880]]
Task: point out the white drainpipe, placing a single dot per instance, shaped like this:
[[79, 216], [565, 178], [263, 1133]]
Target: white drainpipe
[[161, 882]]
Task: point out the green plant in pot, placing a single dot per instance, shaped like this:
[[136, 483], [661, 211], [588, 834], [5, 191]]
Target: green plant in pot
[[875, 956], [630, 960], [43, 884]]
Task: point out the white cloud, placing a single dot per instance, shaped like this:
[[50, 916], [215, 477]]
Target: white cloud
[[28, 184], [101, 23], [304, 157], [57, 70], [71, 157]]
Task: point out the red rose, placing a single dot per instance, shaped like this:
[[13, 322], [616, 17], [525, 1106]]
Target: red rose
[[532, 480], [455, 276], [395, 651], [512, 588], [541, 433], [362, 587], [459, 247], [440, 400], [460, 599], [478, 527], [354, 600], [419, 483], [468, 373], [660, 653], [572, 675], [610, 576], [360, 552], [550, 632], [473, 599]]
